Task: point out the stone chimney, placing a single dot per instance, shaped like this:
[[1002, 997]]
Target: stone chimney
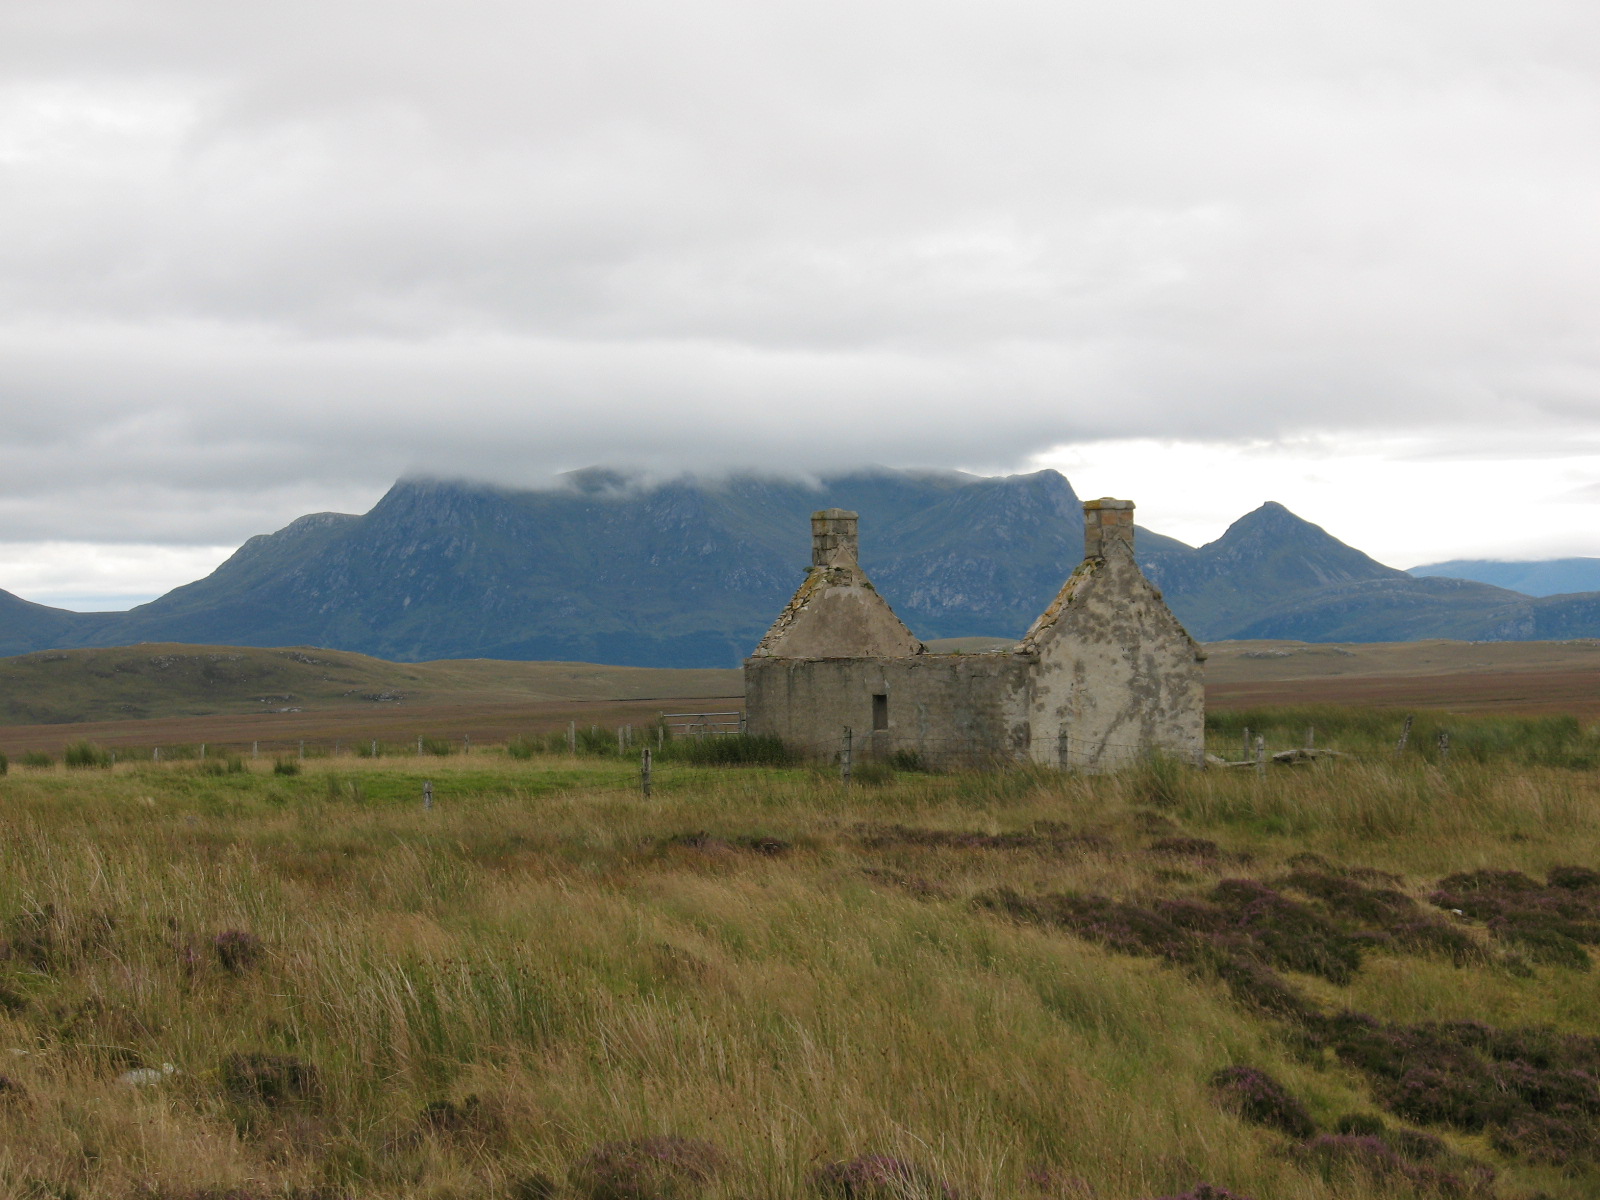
[[833, 537], [1106, 522]]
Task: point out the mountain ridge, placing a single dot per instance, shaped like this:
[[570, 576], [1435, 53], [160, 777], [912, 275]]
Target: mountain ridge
[[606, 567]]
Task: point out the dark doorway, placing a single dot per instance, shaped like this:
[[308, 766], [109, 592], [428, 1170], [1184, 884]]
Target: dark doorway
[[880, 713]]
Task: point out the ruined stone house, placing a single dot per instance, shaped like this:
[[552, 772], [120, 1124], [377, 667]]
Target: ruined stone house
[[1105, 676]]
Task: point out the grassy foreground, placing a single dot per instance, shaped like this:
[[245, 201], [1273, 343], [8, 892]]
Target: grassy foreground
[[1007, 985]]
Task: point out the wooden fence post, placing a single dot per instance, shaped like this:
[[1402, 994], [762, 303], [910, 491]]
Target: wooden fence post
[[1444, 745], [1064, 749], [844, 757], [427, 794], [1405, 734], [1261, 755], [644, 772]]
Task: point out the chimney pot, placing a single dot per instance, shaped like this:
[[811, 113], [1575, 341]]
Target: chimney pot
[[833, 537]]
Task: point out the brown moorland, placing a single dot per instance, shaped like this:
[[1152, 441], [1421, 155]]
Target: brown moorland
[[234, 696]]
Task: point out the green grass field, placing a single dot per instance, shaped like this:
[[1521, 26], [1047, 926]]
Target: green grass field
[[1011, 985]]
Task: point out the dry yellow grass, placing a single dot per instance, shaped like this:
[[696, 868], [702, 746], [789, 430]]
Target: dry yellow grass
[[594, 967]]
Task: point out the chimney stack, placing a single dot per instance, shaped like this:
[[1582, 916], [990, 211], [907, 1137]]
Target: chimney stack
[[1106, 522], [833, 537]]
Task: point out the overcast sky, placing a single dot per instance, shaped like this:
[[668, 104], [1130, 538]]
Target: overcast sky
[[258, 260]]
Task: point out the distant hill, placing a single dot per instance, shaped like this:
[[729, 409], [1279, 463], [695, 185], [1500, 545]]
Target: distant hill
[[1550, 577], [689, 573], [148, 681]]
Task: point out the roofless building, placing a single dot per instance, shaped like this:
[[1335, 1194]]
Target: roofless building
[[1105, 677]]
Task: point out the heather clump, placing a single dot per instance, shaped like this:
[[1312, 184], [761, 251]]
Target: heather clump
[[1347, 898], [52, 940], [1264, 990], [1549, 1140], [238, 951], [1361, 1124], [1344, 1159], [537, 1186], [1260, 1099], [880, 1177], [271, 1080], [1529, 1088], [1205, 1191], [244, 1192], [1574, 878], [663, 1167], [471, 1119], [1042, 835], [1430, 936], [1549, 923], [1115, 924], [1203, 849], [1285, 933]]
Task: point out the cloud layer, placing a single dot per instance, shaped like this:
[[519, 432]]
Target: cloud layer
[[262, 259]]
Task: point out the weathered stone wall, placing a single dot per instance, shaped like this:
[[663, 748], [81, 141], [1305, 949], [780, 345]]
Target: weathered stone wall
[[1106, 675], [836, 613], [1116, 671], [951, 709]]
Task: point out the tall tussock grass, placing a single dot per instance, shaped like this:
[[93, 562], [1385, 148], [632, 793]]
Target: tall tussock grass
[[763, 982]]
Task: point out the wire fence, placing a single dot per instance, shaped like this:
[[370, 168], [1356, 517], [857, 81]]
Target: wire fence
[[723, 738]]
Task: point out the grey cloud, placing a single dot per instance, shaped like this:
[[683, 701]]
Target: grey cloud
[[260, 253]]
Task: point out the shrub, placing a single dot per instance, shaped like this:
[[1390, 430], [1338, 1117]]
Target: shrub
[[1573, 877], [1360, 1124], [524, 748], [37, 758], [471, 1119], [879, 1177], [272, 1080], [537, 1186], [1349, 899], [5, 764], [1286, 933], [1340, 1158], [286, 766], [1549, 947], [1550, 923], [86, 754], [237, 950], [50, 940], [1547, 1140], [441, 747], [1113, 923], [907, 760], [1261, 1100], [732, 749], [1258, 987], [1187, 847], [665, 1167], [1158, 781]]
